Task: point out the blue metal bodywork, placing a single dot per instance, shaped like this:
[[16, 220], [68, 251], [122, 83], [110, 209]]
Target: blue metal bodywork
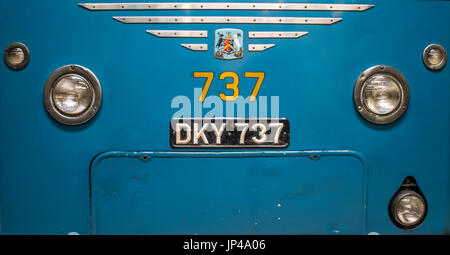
[[49, 171]]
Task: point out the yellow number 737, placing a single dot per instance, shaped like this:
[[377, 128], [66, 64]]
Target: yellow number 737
[[231, 86]]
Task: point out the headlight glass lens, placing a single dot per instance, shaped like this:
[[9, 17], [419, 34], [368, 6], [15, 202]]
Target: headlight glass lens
[[409, 210], [435, 56], [72, 94], [16, 56], [382, 94]]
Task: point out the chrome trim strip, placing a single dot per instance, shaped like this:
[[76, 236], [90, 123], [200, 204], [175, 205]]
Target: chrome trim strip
[[275, 34], [260, 47], [226, 6], [225, 20], [195, 47], [179, 33]]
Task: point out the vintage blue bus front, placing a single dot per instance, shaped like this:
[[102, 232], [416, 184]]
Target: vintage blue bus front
[[213, 117]]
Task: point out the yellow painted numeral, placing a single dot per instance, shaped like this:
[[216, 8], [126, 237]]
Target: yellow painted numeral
[[209, 78], [233, 86], [258, 84]]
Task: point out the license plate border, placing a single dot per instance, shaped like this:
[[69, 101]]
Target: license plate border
[[234, 146]]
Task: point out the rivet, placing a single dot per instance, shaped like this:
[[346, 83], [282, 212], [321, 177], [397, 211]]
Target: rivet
[[315, 157], [144, 158]]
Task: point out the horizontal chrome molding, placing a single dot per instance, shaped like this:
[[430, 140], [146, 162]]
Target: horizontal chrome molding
[[225, 20], [275, 34], [179, 33], [225, 6], [260, 47], [195, 47]]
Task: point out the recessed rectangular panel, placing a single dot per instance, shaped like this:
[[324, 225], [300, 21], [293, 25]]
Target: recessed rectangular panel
[[227, 193]]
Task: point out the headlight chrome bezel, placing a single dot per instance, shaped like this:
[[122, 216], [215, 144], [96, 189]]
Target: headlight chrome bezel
[[20, 66], [59, 115], [361, 107], [394, 203], [430, 66]]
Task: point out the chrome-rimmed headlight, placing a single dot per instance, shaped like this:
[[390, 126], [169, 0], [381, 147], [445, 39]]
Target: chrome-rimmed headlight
[[408, 209], [434, 57], [72, 95], [381, 94], [16, 56]]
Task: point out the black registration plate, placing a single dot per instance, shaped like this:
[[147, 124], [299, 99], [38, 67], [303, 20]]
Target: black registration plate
[[229, 133]]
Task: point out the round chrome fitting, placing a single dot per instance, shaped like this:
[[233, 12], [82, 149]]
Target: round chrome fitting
[[434, 57], [72, 95], [381, 94], [408, 209], [16, 56]]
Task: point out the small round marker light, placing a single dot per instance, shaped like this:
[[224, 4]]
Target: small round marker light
[[72, 95], [16, 56], [434, 57]]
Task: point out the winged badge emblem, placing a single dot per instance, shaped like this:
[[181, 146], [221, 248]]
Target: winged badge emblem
[[228, 44]]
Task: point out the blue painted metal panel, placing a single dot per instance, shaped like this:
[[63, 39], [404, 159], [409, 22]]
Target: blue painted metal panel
[[44, 166], [228, 193]]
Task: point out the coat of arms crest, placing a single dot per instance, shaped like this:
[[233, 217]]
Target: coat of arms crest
[[228, 44]]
